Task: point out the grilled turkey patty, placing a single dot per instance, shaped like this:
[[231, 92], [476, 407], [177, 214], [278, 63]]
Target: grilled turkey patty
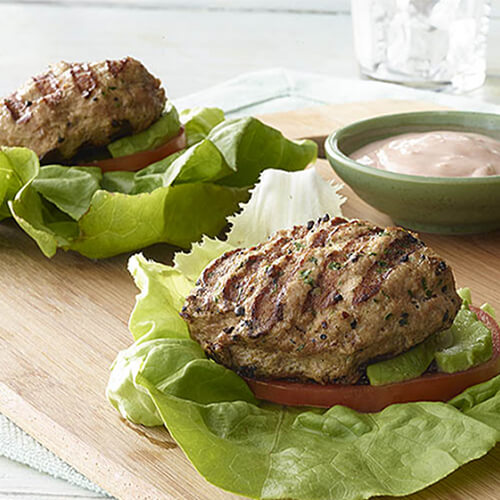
[[72, 105], [320, 301]]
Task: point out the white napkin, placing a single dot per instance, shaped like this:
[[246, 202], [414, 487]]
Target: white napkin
[[283, 90], [253, 93]]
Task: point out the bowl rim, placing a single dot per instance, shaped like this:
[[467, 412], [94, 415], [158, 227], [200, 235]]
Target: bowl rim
[[333, 151]]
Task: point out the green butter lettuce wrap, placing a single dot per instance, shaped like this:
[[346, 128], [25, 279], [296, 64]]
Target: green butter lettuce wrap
[[261, 450], [18, 166], [176, 200], [198, 122], [165, 128], [466, 344]]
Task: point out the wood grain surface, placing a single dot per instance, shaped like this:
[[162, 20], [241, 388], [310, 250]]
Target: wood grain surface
[[63, 321]]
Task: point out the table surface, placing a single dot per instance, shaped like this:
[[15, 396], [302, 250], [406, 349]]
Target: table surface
[[190, 45]]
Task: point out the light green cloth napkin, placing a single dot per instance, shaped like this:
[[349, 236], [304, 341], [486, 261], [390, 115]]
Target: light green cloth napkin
[[253, 93]]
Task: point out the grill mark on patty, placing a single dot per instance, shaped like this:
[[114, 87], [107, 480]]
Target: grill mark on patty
[[49, 89], [337, 221], [18, 109], [356, 242], [297, 232], [326, 283], [233, 288], [211, 272], [236, 283], [319, 238], [116, 67], [326, 279], [394, 255], [267, 310], [84, 79]]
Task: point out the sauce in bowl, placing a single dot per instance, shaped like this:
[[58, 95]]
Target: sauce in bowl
[[439, 153]]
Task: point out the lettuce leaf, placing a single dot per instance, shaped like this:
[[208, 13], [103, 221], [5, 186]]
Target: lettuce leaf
[[481, 402], [144, 181], [198, 122], [176, 200], [267, 451], [18, 166], [200, 163], [118, 182], [409, 365], [69, 188], [308, 196], [471, 344], [112, 223], [467, 343], [165, 128], [49, 227], [249, 142], [117, 223]]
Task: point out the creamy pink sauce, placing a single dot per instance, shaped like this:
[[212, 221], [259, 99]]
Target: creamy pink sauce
[[440, 153]]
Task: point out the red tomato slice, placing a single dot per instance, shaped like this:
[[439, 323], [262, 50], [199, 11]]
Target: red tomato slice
[[368, 398], [138, 161]]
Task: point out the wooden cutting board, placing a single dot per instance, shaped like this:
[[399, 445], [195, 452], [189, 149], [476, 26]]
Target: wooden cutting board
[[62, 321]]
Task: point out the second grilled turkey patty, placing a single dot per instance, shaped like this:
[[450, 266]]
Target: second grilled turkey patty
[[72, 105], [320, 301]]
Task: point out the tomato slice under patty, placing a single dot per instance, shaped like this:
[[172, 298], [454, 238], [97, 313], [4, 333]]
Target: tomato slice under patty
[[138, 161], [368, 398]]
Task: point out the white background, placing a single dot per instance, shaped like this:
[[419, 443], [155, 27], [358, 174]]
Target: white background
[[191, 44]]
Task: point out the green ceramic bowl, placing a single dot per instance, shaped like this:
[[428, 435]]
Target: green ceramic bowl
[[447, 205]]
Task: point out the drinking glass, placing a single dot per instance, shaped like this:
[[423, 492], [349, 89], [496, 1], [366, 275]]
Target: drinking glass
[[423, 43]]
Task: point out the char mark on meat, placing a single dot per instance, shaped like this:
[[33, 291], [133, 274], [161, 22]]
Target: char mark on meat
[[116, 67], [18, 109], [48, 88], [84, 79], [395, 254]]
